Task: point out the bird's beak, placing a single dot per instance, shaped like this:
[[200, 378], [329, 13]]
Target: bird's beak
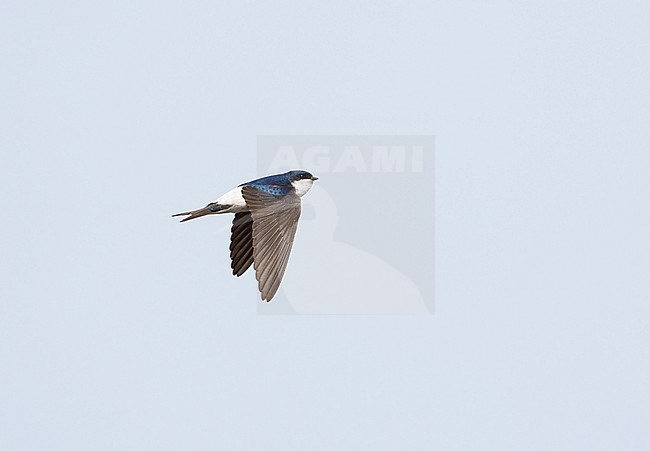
[[314, 178]]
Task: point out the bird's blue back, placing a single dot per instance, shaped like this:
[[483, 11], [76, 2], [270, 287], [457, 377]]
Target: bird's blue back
[[277, 179], [277, 185]]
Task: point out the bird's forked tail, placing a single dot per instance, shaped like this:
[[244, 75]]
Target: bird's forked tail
[[209, 209]]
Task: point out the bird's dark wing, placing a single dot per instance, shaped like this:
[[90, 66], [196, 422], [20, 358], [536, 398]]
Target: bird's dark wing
[[275, 220], [241, 243]]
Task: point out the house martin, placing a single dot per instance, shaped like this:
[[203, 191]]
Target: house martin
[[266, 218]]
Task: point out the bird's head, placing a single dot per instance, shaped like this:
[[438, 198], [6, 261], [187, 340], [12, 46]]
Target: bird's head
[[301, 181]]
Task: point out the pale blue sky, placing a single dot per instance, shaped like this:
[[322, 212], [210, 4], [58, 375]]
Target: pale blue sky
[[121, 329]]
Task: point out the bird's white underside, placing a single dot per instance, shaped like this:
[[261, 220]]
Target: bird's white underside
[[234, 199], [236, 202]]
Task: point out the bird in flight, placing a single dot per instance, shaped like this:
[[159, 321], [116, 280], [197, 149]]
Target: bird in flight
[[266, 218]]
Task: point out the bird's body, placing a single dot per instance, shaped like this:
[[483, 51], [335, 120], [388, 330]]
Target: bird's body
[[266, 218]]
